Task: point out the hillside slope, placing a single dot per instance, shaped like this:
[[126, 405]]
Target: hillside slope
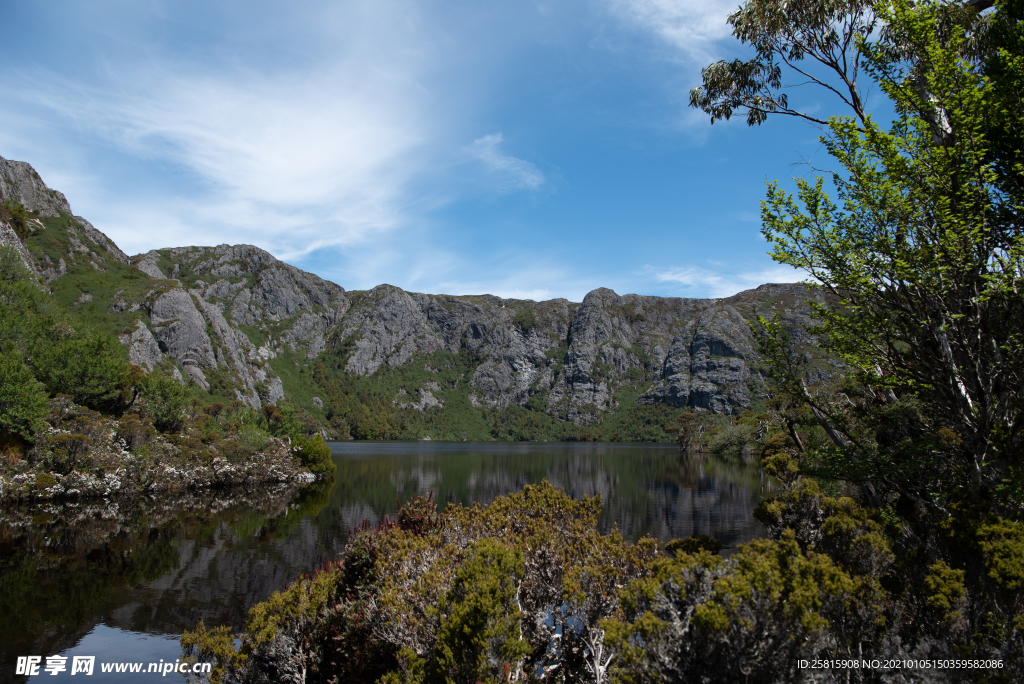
[[238, 324]]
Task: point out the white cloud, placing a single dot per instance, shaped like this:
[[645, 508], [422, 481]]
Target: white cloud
[[510, 173], [327, 150], [720, 283], [690, 26], [279, 154]]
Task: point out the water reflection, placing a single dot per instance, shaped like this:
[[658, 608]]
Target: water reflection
[[158, 566]]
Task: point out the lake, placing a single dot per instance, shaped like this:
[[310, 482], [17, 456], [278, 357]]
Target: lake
[[120, 580]]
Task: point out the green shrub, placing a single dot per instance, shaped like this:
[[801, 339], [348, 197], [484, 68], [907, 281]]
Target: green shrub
[[731, 439], [90, 367], [525, 319], [23, 400], [253, 437], [695, 543], [135, 431], [165, 402], [67, 452], [45, 480], [479, 635], [314, 454], [13, 213]]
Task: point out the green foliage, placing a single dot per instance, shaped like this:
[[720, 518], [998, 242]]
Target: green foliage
[[457, 596], [777, 458], [216, 645], [693, 544], [525, 319], [136, 431], [945, 590], [63, 352], [314, 453], [23, 399], [920, 245], [90, 367], [13, 213], [784, 35], [1002, 543], [164, 401], [702, 618], [480, 634]]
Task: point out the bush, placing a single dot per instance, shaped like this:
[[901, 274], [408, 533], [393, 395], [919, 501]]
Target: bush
[[490, 594], [693, 544], [708, 619], [90, 367], [13, 213], [135, 431], [165, 402], [23, 400], [253, 437], [731, 439], [314, 454]]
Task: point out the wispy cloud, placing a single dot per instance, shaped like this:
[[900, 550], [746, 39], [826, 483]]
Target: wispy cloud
[[693, 27], [278, 154], [720, 283], [509, 173], [319, 152]]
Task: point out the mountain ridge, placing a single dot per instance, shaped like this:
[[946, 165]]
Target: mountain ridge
[[236, 323]]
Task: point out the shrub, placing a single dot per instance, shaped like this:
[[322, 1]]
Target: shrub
[[314, 454], [135, 431], [525, 319], [13, 213], [165, 402], [731, 439], [90, 367], [704, 618], [23, 400], [493, 593], [479, 638], [67, 452], [693, 544], [253, 437], [45, 480]]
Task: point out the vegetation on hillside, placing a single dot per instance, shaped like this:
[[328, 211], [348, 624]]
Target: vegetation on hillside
[[75, 416], [370, 407]]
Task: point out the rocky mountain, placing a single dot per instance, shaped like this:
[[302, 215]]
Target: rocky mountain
[[237, 323]]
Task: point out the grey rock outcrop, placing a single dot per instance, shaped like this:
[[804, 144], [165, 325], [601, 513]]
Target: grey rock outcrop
[[226, 316], [180, 331], [20, 182], [231, 286], [8, 238], [143, 349], [147, 264]]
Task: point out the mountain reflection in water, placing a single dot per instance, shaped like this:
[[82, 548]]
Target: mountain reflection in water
[[159, 566]]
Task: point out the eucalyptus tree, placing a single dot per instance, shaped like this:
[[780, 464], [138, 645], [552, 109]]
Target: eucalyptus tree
[[916, 236]]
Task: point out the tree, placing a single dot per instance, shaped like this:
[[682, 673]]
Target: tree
[[816, 39], [918, 240], [89, 366], [165, 401], [23, 400]]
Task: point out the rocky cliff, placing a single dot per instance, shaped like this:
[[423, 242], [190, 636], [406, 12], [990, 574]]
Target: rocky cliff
[[239, 324]]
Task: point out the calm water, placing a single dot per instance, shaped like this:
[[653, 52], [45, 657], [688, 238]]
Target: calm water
[[121, 580]]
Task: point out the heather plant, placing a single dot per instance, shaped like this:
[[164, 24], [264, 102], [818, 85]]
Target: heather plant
[[490, 593]]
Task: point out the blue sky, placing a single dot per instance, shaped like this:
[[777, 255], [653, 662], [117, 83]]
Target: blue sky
[[524, 149]]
